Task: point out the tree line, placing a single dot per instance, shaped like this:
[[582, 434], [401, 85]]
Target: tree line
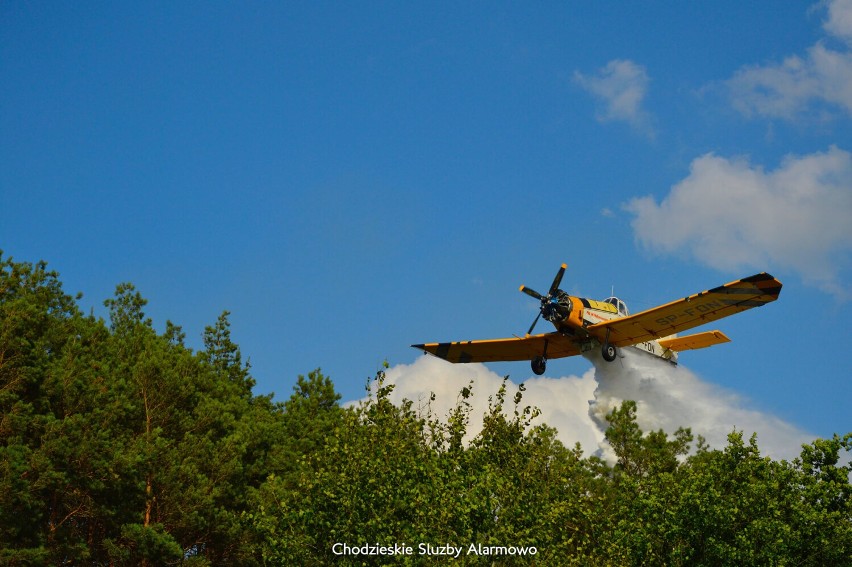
[[120, 445]]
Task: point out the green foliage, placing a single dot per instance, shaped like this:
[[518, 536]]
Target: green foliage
[[122, 446], [119, 445]]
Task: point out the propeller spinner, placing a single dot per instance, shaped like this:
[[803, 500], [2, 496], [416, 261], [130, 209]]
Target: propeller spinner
[[555, 306]]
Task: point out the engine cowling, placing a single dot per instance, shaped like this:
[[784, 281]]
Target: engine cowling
[[558, 308]]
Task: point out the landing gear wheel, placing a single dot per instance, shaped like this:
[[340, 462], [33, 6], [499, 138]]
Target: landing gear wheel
[[608, 352], [539, 364]]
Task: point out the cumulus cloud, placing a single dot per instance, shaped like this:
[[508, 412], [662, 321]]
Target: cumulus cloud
[[667, 397], [729, 215], [819, 80], [839, 22], [620, 89]]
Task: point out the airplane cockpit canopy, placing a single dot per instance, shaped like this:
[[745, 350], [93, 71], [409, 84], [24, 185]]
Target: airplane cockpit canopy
[[622, 308]]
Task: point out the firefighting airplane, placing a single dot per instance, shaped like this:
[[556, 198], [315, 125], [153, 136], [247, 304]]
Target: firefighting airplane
[[584, 324]]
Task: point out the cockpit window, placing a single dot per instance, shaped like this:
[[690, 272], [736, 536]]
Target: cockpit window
[[622, 308]]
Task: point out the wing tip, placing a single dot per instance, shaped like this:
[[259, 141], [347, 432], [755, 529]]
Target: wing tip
[[762, 276], [766, 283]]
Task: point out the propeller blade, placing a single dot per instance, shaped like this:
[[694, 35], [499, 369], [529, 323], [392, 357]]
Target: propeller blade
[[557, 280], [532, 293], [534, 322]]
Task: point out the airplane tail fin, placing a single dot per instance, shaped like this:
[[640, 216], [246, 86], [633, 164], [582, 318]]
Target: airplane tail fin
[[698, 340]]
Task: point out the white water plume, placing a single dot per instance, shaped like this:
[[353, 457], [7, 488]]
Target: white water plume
[[667, 397]]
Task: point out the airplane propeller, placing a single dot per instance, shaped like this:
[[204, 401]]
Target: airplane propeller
[[548, 302]]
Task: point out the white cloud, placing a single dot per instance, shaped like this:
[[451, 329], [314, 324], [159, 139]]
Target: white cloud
[[731, 215], [799, 84], [839, 22], [620, 88], [667, 397]]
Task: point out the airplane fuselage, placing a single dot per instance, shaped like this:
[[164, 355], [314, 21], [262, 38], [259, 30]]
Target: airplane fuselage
[[586, 312]]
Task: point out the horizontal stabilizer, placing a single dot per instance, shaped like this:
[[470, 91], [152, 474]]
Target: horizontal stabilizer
[[698, 340]]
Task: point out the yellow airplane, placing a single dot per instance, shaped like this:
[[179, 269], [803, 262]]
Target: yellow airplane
[[583, 324]]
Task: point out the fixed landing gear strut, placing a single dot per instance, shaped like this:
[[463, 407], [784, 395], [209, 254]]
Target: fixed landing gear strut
[[607, 350], [539, 363]]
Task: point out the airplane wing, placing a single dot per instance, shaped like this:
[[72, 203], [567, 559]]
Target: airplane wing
[[516, 348], [689, 312]]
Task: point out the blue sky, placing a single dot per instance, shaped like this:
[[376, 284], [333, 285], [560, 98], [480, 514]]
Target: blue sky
[[350, 179]]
